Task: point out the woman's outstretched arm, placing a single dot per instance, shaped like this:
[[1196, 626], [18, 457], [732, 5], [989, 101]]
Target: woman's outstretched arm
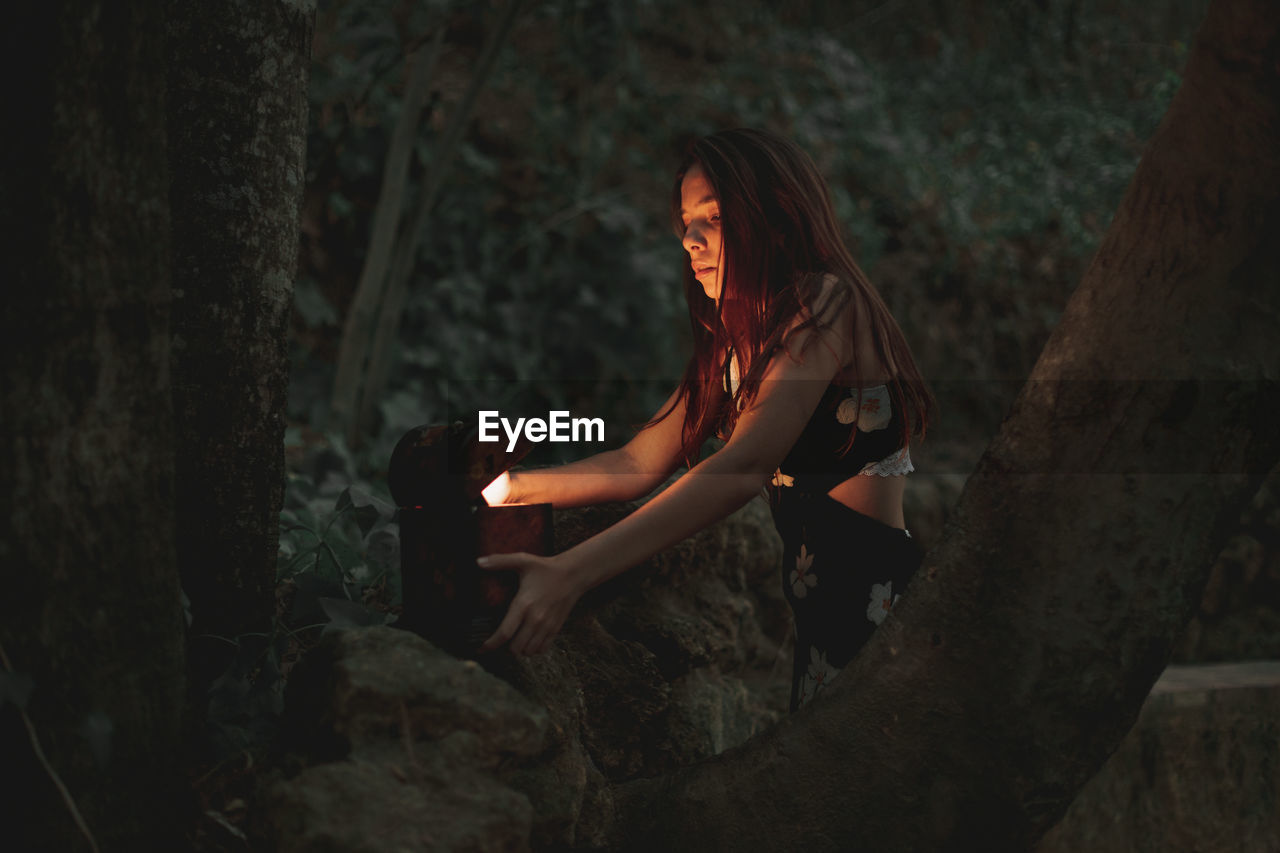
[[630, 472], [720, 484]]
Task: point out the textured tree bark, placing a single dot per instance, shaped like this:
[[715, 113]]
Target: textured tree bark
[[1021, 654], [237, 112], [90, 610]]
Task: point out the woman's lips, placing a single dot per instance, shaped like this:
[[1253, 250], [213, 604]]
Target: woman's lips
[[697, 273]]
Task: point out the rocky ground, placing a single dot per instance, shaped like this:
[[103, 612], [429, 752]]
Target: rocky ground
[[393, 744]]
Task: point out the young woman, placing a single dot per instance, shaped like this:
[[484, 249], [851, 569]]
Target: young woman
[[798, 365]]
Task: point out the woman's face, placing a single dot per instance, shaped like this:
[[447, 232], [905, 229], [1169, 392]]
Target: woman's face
[[700, 212]]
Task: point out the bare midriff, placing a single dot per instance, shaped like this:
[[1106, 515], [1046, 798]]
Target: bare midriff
[[874, 496]]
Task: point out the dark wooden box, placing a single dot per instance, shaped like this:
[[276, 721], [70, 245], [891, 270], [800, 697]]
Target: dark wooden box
[[436, 476]]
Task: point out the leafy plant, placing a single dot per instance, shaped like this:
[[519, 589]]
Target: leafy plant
[[337, 567], [975, 164], [338, 543]]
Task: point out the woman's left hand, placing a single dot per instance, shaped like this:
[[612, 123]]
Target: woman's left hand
[[546, 595]]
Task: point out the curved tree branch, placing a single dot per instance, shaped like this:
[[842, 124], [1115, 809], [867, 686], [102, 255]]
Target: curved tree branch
[[357, 331], [386, 338]]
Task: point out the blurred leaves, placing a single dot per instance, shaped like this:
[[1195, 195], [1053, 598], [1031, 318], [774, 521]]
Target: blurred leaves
[[343, 613], [310, 302], [15, 688], [338, 566], [974, 152], [974, 161], [97, 730]]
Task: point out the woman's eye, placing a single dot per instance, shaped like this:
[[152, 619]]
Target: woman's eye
[[715, 217]]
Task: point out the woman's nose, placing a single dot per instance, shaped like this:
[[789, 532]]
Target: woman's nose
[[693, 239]]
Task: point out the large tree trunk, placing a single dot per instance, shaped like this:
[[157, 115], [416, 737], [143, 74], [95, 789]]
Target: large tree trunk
[[90, 610], [1021, 654], [237, 110]]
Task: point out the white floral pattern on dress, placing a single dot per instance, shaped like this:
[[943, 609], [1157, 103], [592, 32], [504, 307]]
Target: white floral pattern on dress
[[802, 580], [818, 676], [882, 600], [781, 479], [874, 413]]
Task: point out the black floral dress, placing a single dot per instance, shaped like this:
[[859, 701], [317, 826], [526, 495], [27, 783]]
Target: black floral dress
[[841, 570]]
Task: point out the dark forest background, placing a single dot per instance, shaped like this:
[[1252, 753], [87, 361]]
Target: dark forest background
[[484, 224], [975, 152]]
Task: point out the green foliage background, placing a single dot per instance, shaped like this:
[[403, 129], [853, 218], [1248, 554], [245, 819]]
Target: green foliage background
[[975, 151]]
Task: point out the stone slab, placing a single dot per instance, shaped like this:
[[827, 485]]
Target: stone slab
[[1199, 772]]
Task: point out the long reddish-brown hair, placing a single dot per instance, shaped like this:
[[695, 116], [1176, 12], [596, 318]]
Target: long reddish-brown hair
[[779, 239]]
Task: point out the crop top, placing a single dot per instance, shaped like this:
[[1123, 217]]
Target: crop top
[[877, 449]]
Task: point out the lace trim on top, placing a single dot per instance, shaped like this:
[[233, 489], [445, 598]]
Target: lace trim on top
[[897, 465]]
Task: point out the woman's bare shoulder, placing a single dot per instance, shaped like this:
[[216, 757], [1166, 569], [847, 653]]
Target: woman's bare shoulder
[[839, 304], [823, 315]]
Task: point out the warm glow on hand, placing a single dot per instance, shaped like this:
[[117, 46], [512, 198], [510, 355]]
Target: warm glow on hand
[[498, 491]]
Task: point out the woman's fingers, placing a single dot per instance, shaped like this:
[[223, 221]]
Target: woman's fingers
[[539, 609], [521, 644], [552, 622], [505, 562], [521, 627], [533, 627], [527, 634], [510, 624], [506, 629]]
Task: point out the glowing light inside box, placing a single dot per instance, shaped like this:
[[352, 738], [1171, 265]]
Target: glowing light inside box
[[497, 490], [435, 474]]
